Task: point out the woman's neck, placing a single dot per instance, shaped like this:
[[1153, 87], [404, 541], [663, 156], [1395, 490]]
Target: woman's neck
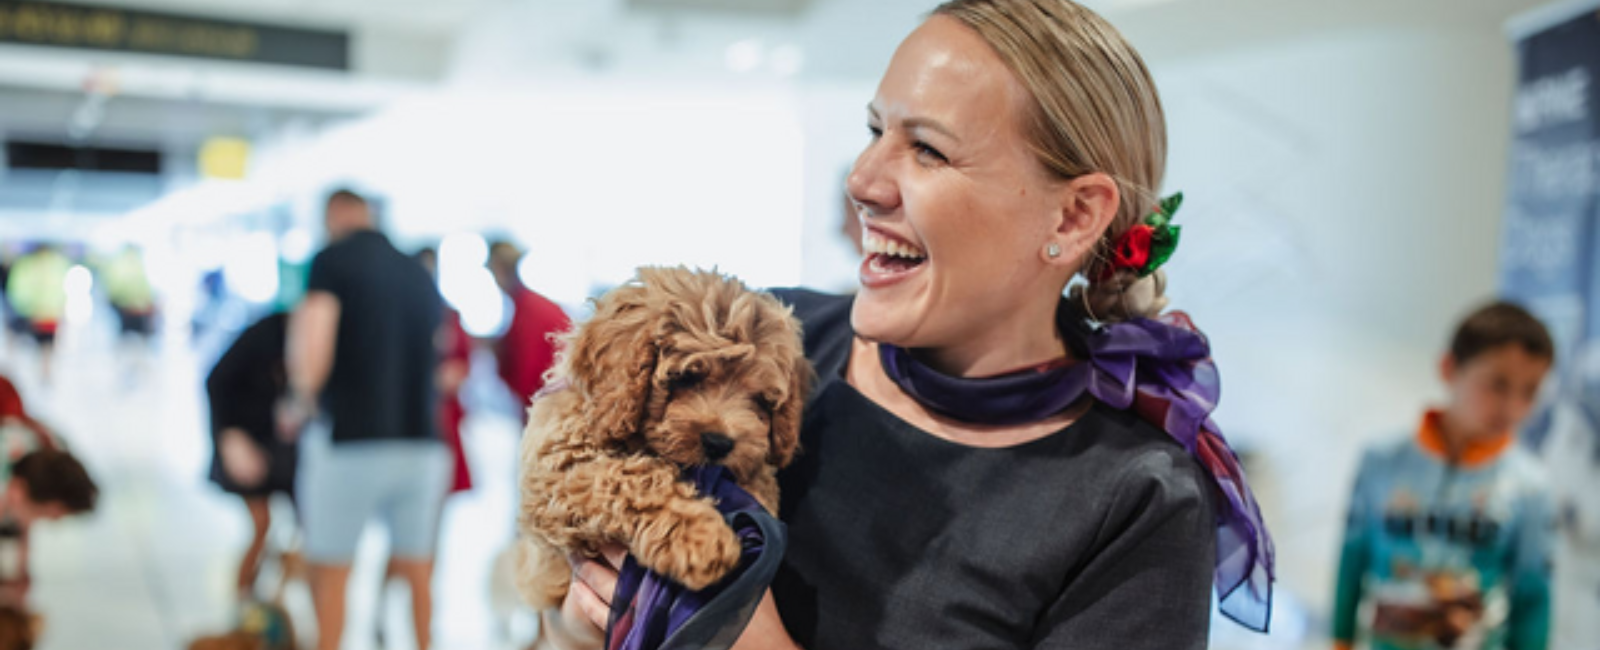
[[865, 373], [1018, 342]]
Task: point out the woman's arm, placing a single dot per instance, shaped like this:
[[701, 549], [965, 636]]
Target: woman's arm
[[766, 631], [1147, 586]]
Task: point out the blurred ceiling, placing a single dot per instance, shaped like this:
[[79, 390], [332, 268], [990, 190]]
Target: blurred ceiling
[[419, 16], [402, 48]]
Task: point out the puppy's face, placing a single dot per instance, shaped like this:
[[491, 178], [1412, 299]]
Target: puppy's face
[[694, 368], [715, 403]]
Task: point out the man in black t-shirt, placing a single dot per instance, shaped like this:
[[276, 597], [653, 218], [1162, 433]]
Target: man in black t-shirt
[[361, 363]]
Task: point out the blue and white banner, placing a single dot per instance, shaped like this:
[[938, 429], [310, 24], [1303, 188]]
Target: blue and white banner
[[1549, 262]]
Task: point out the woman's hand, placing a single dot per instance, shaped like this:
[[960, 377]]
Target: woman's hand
[[765, 631], [293, 414], [594, 582], [242, 459]]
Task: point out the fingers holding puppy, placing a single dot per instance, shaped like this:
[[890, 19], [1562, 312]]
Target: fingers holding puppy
[[594, 582]]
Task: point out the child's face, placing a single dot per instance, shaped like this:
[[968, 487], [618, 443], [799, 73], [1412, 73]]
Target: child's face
[[1492, 392]]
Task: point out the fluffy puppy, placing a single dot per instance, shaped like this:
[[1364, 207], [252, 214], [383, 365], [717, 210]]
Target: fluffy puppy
[[676, 369]]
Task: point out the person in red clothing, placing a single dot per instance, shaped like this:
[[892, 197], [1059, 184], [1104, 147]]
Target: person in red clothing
[[455, 363], [526, 351], [12, 412]]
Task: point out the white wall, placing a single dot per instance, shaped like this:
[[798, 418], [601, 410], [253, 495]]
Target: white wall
[[1344, 198]]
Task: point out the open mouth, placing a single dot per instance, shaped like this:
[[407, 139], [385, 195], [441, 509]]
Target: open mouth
[[889, 258]]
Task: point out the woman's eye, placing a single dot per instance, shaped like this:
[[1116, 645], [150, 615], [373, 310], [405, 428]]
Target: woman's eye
[[875, 131], [929, 153]]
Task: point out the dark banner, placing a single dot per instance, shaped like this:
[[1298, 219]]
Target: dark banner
[[1550, 261], [120, 30]]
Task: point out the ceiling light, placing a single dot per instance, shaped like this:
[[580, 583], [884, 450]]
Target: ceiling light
[[787, 60], [745, 55]]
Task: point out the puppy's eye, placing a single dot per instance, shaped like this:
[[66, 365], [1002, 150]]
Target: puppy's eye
[[685, 380], [765, 403]]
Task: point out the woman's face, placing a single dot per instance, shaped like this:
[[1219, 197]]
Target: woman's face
[[955, 208]]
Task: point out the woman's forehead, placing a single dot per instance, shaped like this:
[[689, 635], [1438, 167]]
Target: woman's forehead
[[945, 72]]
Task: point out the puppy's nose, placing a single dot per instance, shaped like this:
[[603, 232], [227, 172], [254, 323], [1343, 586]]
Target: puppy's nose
[[716, 445]]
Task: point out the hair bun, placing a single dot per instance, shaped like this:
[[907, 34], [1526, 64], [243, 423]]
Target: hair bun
[[1124, 297]]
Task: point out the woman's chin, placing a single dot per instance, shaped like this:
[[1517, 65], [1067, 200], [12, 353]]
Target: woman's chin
[[882, 321]]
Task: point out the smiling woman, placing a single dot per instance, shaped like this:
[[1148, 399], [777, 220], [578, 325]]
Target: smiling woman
[[985, 462]]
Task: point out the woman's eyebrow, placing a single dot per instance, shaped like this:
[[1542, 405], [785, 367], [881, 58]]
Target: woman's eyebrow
[[916, 122], [930, 124]]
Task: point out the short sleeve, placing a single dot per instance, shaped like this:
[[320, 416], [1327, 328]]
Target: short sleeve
[[325, 273], [1148, 585]]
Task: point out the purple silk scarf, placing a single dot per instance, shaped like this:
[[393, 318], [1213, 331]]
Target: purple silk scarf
[[1160, 369], [651, 612]]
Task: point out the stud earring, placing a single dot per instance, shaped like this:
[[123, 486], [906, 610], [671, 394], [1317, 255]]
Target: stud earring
[[1053, 250]]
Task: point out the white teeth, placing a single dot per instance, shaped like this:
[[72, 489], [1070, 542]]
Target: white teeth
[[876, 245]]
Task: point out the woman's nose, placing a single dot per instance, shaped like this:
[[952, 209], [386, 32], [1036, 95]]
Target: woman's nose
[[871, 186]]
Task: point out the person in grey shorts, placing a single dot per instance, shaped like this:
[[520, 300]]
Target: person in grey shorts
[[361, 363]]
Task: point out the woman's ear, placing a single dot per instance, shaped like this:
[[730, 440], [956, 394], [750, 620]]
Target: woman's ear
[[1088, 205]]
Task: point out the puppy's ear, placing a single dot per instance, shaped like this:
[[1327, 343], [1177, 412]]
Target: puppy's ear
[[612, 362], [786, 416]]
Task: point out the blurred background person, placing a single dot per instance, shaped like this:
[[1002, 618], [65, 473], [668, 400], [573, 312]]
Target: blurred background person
[[128, 290], [15, 324], [455, 364], [362, 360], [526, 350], [19, 432], [1450, 530], [249, 458], [45, 484], [37, 290]]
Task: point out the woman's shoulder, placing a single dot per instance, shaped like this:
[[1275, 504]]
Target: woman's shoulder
[[825, 326], [1141, 464], [815, 306]]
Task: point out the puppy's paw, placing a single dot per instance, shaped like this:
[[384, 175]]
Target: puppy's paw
[[696, 551]]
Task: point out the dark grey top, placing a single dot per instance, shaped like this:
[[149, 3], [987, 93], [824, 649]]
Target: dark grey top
[[381, 386], [1097, 536]]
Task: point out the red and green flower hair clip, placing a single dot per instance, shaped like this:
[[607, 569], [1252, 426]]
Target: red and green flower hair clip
[[1149, 244]]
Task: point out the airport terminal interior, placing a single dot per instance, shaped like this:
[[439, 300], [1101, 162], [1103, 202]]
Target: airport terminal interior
[[1357, 178]]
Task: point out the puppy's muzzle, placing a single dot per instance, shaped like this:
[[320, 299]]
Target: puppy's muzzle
[[716, 446]]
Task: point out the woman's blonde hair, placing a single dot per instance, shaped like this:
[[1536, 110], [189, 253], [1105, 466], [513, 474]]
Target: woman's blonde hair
[[1094, 109]]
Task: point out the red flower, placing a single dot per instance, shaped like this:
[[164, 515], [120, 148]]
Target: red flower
[[1133, 248]]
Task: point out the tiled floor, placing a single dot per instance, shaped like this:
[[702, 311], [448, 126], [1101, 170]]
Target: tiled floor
[[153, 567]]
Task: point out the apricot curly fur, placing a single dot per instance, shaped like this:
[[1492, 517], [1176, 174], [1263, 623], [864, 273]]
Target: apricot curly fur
[[671, 356]]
